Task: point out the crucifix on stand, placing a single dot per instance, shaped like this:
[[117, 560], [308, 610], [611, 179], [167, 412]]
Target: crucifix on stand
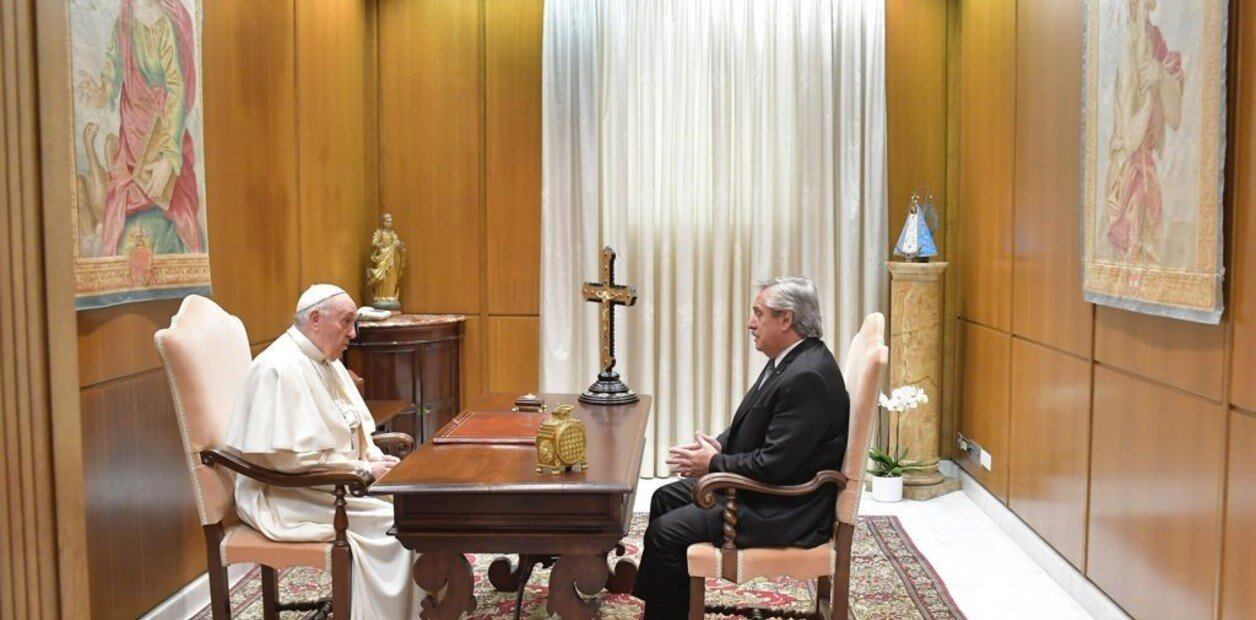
[[609, 389]]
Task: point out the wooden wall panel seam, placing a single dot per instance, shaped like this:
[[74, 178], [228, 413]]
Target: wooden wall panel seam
[[1222, 511], [1049, 346], [980, 324], [296, 132], [1241, 411], [1159, 383], [1090, 463], [1010, 227], [1237, 597], [482, 100], [1233, 123]]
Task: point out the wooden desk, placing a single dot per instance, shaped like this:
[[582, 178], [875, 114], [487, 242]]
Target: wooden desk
[[451, 499], [383, 412]]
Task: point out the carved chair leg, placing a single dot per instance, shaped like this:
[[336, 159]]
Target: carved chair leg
[[270, 593], [697, 597], [840, 596], [341, 561], [341, 582], [219, 592]]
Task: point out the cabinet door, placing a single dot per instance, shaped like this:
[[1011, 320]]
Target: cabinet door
[[438, 383], [389, 375]]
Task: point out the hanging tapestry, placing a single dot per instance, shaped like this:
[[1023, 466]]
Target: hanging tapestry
[[1153, 116], [139, 212]]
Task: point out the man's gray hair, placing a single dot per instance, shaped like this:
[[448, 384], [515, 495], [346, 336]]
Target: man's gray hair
[[795, 294], [302, 318]]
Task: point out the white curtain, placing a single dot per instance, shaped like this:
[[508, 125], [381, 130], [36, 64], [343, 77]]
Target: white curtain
[[712, 144]]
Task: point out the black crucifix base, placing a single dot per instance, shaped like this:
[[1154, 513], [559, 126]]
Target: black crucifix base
[[608, 390]]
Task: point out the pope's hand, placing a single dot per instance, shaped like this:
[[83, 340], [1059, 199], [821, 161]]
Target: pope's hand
[[381, 467]]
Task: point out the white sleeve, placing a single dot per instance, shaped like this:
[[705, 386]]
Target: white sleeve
[[302, 462]]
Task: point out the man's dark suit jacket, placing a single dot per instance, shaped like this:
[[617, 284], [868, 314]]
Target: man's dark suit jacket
[[783, 433]]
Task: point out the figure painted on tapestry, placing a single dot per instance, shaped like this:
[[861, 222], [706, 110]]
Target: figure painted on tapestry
[[1147, 102], [146, 188], [387, 265]]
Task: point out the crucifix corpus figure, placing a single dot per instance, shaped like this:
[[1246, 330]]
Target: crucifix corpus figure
[[608, 389]]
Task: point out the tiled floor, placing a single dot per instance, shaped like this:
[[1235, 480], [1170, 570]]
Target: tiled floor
[[988, 575]]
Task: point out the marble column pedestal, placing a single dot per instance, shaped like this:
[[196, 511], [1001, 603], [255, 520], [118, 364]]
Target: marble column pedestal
[[916, 359]]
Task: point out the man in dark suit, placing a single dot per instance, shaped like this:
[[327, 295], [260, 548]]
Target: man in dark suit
[[790, 425]]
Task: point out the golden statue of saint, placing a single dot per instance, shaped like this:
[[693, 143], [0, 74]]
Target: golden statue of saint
[[388, 263]]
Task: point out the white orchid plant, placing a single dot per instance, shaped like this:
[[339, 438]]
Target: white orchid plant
[[892, 463]]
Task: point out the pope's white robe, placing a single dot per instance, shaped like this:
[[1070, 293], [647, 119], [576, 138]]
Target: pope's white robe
[[298, 412]]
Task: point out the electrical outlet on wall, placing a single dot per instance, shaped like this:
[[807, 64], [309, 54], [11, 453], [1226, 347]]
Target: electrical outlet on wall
[[972, 452]]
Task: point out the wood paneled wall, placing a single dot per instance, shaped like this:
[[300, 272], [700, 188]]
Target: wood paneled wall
[[987, 119], [916, 98], [1127, 435], [460, 162], [915, 107], [290, 187]]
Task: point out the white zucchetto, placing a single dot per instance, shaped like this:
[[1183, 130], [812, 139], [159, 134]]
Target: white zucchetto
[[317, 293]]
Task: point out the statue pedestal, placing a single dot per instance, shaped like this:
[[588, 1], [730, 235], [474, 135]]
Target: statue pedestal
[[916, 359]]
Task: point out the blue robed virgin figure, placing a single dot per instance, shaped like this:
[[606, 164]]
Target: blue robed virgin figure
[[915, 243]]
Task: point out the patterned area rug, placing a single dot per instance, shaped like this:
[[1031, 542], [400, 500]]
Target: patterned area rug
[[889, 579]]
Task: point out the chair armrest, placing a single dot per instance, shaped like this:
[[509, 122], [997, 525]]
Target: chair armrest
[[396, 444], [704, 497], [383, 410], [356, 480], [704, 490]]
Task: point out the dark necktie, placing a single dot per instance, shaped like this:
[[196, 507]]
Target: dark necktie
[[767, 373]]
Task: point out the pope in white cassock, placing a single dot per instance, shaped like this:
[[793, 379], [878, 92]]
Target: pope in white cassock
[[299, 411]]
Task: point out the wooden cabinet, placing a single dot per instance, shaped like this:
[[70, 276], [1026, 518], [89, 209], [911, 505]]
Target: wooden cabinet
[[412, 357]]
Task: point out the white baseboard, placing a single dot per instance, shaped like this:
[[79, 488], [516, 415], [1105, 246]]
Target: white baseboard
[[1086, 593], [194, 597]]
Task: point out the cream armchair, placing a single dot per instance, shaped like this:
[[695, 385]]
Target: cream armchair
[[827, 564], [206, 354]]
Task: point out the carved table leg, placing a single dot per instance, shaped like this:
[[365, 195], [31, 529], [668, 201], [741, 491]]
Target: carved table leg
[[624, 575], [503, 576], [572, 576], [447, 579], [507, 578]]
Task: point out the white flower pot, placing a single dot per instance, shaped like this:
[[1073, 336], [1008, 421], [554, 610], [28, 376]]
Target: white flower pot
[[887, 490]]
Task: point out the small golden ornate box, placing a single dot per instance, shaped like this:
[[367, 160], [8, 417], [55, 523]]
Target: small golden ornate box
[[560, 443]]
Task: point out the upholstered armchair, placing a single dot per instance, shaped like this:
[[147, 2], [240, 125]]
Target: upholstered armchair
[[828, 564], [206, 354]]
